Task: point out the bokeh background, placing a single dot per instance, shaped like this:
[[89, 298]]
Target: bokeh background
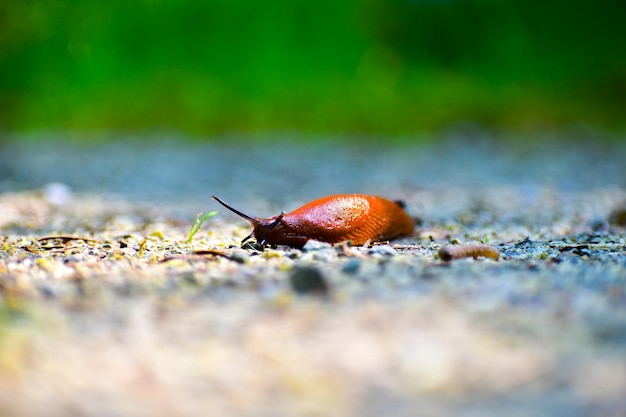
[[120, 118], [365, 66]]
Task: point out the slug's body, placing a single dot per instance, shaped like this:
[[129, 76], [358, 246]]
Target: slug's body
[[332, 219]]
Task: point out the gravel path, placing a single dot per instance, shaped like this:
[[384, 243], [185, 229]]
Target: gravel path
[[105, 310]]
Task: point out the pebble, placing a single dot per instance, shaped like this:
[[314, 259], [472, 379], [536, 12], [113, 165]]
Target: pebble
[[308, 280], [57, 194], [46, 291], [384, 250], [240, 256], [315, 245], [351, 267]]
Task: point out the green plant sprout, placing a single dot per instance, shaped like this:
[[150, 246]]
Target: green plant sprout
[[197, 224]]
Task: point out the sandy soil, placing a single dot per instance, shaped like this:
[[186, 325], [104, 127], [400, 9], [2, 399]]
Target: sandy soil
[[106, 310]]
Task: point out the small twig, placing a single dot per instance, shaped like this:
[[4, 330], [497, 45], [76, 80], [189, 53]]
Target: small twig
[[349, 251], [31, 249], [215, 252], [142, 248], [58, 248], [65, 239], [399, 246], [168, 258]]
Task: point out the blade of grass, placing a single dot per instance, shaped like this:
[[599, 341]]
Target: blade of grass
[[197, 224]]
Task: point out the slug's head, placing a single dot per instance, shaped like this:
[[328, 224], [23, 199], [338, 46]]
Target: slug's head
[[264, 230]]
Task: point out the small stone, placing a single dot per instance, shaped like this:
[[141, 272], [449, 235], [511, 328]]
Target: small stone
[[324, 255], [240, 256], [351, 267], [384, 250], [57, 193], [271, 254], [618, 217], [313, 245], [308, 280], [598, 224], [47, 292]]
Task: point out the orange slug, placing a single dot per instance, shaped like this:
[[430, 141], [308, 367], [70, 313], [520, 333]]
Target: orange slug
[[332, 219], [449, 253]]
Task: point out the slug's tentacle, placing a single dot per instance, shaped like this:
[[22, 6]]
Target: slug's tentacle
[[276, 221], [400, 203], [250, 219], [247, 238]]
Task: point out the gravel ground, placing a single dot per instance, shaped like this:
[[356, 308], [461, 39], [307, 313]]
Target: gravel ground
[[106, 310]]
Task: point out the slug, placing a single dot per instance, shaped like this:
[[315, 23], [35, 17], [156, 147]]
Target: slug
[[337, 218], [449, 253]]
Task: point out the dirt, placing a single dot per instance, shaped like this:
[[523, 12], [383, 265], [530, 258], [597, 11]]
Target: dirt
[[106, 310]]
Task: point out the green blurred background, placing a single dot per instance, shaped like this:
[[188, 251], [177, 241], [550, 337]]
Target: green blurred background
[[373, 66]]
